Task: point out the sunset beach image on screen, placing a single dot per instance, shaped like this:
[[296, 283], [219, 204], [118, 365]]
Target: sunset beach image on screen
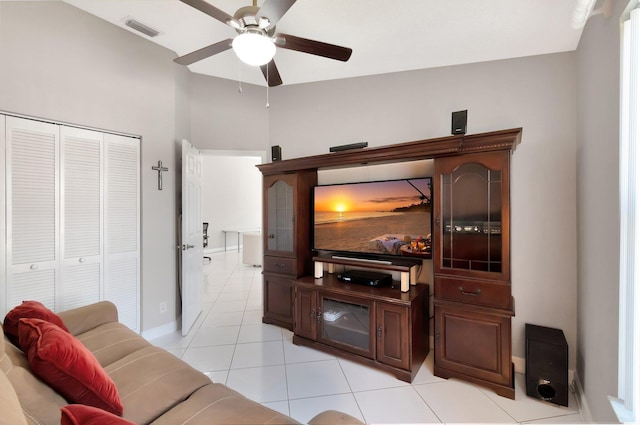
[[378, 217]]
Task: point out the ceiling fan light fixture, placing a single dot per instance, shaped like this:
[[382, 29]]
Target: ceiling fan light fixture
[[254, 48]]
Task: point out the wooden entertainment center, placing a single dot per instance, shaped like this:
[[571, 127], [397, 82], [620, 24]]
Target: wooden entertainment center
[[388, 327]]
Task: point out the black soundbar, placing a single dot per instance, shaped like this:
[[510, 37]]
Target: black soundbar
[[358, 145]]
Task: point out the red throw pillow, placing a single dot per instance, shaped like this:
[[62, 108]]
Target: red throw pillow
[[28, 310], [60, 360], [79, 414]]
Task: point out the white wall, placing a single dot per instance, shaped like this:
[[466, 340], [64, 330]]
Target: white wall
[[535, 93], [598, 210], [231, 196], [223, 118], [63, 64]]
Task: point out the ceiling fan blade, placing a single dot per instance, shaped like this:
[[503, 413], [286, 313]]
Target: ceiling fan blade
[[274, 10], [272, 76], [204, 53], [210, 10], [313, 47]]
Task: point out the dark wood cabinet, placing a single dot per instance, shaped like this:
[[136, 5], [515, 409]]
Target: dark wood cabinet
[[472, 294], [393, 335], [471, 262], [286, 218], [475, 345], [306, 312], [381, 327], [277, 299]]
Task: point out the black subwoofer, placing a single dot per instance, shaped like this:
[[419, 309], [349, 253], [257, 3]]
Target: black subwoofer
[[547, 369]]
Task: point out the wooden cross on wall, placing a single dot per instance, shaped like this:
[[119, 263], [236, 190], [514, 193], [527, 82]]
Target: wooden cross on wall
[[159, 168]]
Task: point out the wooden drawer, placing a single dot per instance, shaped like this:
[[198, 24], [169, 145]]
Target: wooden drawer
[[280, 265], [477, 292]]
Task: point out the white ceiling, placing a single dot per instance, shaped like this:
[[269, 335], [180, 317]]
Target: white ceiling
[[385, 35]]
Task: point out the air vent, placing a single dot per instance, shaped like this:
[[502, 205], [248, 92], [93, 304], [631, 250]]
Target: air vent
[[140, 27]]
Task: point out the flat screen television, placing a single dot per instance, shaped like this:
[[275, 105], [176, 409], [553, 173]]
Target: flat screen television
[[374, 219]]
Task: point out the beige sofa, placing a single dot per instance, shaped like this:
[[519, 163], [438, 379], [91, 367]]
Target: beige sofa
[[155, 387]]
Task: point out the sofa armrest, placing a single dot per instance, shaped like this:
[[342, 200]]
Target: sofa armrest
[[334, 417], [83, 319]]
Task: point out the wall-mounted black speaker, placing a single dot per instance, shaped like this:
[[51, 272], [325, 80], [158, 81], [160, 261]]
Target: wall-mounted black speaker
[[276, 153], [459, 122], [547, 370]]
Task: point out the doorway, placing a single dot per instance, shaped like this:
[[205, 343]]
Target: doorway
[[231, 196]]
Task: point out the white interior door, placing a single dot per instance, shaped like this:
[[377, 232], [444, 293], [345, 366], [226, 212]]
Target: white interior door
[[191, 244]]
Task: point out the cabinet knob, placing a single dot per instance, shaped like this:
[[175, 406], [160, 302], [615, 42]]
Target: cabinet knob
[[81, 260], [33, 267]]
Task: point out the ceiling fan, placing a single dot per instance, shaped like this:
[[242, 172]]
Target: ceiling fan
[[257, 39]]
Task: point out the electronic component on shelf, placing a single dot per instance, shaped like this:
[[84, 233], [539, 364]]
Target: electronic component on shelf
[[365, 277]]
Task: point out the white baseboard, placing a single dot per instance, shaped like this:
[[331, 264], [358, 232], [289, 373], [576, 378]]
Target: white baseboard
[[233, 248], [519, 364], [159, 331], [583, 407]]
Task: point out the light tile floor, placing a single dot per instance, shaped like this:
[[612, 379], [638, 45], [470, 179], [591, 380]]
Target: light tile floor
[[231, 345]]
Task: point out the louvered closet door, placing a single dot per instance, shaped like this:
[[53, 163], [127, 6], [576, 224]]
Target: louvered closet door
[[81, 216], [122, 235], [32, 212]]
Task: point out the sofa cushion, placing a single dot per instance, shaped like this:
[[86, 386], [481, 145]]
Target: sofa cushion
[[82, 319], [9, 403], [40, 403], [79, 414], [334, 417], [111, 342], [152, 381], [60, 360], [15, 355], [5, 360], [219, 404], [28, 310]]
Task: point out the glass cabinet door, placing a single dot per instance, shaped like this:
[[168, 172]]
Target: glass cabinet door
[[472, 211], [280, 217], [347, 324]]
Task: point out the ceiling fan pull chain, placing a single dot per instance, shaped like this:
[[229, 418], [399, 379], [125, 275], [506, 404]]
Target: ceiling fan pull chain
[[239, 77], [267, 87]]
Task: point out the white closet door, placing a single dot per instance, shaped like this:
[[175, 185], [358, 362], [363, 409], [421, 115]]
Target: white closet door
[[32, 205], [81, 216], [121, 227]]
